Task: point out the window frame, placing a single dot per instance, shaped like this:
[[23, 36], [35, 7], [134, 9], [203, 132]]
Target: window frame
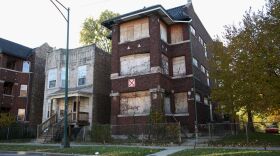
[[24, 67], [20, 93], [50, 80], [179, 58], [82, 69], [195, 62]]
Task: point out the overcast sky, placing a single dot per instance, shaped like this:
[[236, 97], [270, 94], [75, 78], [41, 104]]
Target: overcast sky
[[34, 22]]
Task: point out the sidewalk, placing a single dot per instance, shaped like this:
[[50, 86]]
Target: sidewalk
[[165, 152]]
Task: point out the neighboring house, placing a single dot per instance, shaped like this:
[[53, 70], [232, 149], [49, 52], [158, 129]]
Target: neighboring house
[[21, 93], [89, 86], [158, 56]]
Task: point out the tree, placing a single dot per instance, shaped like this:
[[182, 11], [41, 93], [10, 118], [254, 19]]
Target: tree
[[94, 32], [247, 69]]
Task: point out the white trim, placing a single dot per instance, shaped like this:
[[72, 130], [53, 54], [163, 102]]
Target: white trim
[[153, 10], [181, 42], [115, 94], [134, 40], [15, 70], [135, 115], [182, 76], [179, 114]]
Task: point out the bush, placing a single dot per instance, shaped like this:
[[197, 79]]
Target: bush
[[6, 119], [101, 133]]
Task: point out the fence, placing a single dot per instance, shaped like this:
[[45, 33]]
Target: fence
[[18, 132], [236, 133], [133, 133]]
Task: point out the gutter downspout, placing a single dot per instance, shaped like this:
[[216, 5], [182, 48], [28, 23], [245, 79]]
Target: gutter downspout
[[193, 89]]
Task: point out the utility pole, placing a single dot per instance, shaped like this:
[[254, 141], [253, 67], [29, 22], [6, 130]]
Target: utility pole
[[66, 143]]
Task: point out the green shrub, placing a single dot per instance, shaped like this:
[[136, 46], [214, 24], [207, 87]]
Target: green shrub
[[101, 133]]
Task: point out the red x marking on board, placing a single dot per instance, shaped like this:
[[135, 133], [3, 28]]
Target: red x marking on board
[[131, 82]]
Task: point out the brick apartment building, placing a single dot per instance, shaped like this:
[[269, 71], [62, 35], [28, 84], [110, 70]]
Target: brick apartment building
[[159, 63], [89, 86], [21, 94]]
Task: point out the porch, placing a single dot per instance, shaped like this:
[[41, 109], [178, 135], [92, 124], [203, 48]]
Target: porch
[[79, 113]]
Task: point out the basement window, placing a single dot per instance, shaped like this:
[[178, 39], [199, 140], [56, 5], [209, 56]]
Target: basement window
[[8, 88], [135, 103], [135, 64], [176, 34], [179, 66], [181, 103]]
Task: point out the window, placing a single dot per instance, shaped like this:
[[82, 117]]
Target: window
[[176, 34], [205, 100], [167, 108], [208, 81], [21, 115], [164, 64], [197, 97], [82, 72], [26, 66], [11, 63], [192, 30], [179, 67], [205, 53], [134, 30], [62, 77], [200, 40], [203, 69], [181, 103], [207, 73], [8, 88], [135, 64], [195, 62], [135, 103], [52, 78], [23, 90], [163, 32]]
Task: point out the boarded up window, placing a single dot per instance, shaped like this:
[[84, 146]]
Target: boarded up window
[[179, 67], [134, 30], [164, 64], [135, 103], [181, 102], [176, 34], [167, 107], [163, 32], [135, 64]]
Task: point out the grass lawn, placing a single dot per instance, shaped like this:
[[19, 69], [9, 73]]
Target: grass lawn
[[225, 152], [108, 151], [255, 139]]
